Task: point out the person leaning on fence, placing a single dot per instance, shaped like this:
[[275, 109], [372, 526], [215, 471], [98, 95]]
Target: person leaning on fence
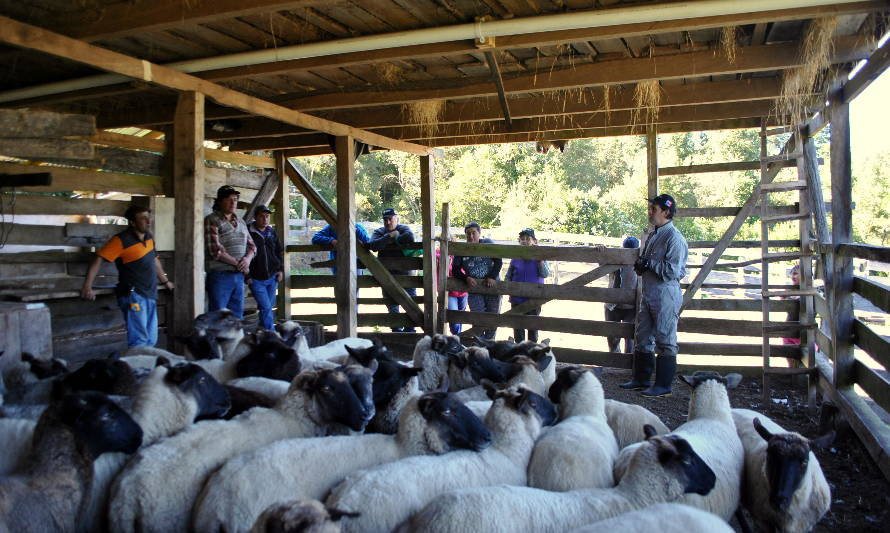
[[390, 241], [230, 249], [794, 313], [475, 270], [267, 268], [661, 265], [139, 271], [526, 271], [625, 278], [327, 236]]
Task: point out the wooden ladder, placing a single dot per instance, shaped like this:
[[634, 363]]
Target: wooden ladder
[[766, 219]]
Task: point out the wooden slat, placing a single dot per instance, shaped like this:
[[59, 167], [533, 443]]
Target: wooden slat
[[428, 211], [613, 360], [57, 235], [873, 291], [564, 325], [709, 212], [47, 256], [345, 283], [37, 148], [313, 282], [363, 319], [774, 243], [877, 63], [611, 256], [737, 286], [735, 166], [548, 291], [33, 123], [444, 268], [721, 304], [263, 196], [874, 344], [742, 328], [282, 219], [861, 251], [34, 38], [133, 142], [332, 300], [26, 204], [69, 179], [735, 349], [873, 383]]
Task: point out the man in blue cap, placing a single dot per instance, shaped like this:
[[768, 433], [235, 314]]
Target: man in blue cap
[[390, 241], [624, 278], [661, 265]]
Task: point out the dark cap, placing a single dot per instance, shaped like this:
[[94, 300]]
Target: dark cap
[[528, 231], [473, 225], [631, 242], [225, 191], [262, 209], [389, 212], [665, 201]]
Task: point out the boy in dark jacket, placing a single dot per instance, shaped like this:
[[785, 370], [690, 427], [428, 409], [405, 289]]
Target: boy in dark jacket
[[267, 268]]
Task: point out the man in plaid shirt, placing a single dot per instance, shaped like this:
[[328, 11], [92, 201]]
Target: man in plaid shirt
[[230, 250]]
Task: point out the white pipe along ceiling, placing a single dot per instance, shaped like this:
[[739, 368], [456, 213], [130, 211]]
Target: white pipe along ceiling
[[476, 30]]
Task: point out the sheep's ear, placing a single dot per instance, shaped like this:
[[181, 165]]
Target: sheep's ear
[[598, 372], [337, 514], [545, 342], [378, 343], [510, 339], [161, 361], [443, 384], [733, 380], [306, 380], [689, 380], [544, 363], [824, 441], [114, 356], [483, 341], [649, 431], [762, 431], [666, 450], [411, 371], [459, 359], [491, 390], [27, 357]]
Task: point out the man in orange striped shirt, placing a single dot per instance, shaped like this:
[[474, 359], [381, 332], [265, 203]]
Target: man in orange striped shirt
[[139, 272]]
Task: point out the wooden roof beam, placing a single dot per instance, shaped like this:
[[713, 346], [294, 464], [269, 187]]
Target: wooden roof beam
[[34, 38], [688, 65], [499, 83]]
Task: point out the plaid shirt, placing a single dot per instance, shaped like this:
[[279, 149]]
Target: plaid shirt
[[215, 246]]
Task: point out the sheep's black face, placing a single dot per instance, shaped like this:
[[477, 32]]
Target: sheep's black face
[[447, 344], [110, 376], [42, 368], [222, 323], [787, 457], [212, 397], [202, 345], [270, 358], [344, 395], [565, 380], [528, 401], [100, 424], [484, 367], [677, 456], [501, 350], [730, 381], [389, 379], [456, 425], [364, 356], [290, 332]]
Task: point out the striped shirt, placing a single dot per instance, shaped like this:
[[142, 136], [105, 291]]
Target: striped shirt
[[225, 235], [135, 262]]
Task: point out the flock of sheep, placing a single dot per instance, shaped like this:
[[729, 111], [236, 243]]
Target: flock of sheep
[[261, 433]]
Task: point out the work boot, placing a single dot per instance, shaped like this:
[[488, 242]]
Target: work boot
[[665, 368], [643, 362]]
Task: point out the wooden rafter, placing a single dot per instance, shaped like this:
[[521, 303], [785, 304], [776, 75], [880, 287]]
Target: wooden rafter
[[499, 83], [27, 36]]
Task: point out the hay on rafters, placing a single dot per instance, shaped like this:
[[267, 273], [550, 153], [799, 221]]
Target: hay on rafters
[[647, 99], [801, 83], [389, 73], [729, 42], [426, 114]]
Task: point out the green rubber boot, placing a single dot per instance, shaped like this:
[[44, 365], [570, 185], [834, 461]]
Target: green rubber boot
[[643, 363]]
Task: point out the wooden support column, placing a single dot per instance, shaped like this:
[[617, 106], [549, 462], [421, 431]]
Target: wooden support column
[[282, 223], [347, 319], [807, 311], [188, 187], [652, 161], [841, 286], [428, 208], [444, 267]]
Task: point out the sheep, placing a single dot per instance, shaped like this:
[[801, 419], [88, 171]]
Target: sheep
[[31, 379], [711, 431], [430, 354], [627, 421], [434, 423], [388, 494], [262, 354], [146, 362], [784, 487], [273, 388], [108, 375], [298, 516], [337, 348], [156, 493], [520, 369], [662, 517], [506, 350], [72, 432], [15, 434], [170, 399], [662, 469], [579, 451]]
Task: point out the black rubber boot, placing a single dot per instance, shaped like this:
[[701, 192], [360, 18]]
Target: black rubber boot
[[643, 363], [665, 368]]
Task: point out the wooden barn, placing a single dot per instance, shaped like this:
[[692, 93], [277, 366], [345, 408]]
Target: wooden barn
[[104, 103]]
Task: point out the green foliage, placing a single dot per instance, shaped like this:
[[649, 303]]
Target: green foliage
[[871, 193]]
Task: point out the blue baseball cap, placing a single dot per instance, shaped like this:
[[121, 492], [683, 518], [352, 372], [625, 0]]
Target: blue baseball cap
[[665, 201], [389, 212]]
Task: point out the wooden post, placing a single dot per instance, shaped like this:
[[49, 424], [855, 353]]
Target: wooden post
[[652, 161], [347, 319], [841, 287], [282, 222], [807, 309], [444, 237], [428, 209], [188, 187]]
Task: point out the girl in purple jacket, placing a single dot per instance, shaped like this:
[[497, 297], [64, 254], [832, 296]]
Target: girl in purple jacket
[[528, 271]]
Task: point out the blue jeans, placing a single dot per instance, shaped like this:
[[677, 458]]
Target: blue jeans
[[485, 303], [141, 316], [393, 308], [264, 294], [225, 290], [456, 303]]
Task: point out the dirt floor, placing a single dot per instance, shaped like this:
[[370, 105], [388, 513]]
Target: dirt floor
[[860, 494]]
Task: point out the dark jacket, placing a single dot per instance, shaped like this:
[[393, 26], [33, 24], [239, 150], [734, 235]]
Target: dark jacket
[[386, 246], [477, 267], [327, 234], [269, 253]]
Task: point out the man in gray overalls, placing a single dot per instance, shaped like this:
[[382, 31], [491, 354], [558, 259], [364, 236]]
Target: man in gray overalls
[[661, 265]]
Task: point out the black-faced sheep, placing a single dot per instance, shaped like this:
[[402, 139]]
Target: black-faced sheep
[[431, 354]]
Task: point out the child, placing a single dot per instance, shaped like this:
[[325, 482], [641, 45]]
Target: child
[[457, 301], [793, 315], [528, 271]]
